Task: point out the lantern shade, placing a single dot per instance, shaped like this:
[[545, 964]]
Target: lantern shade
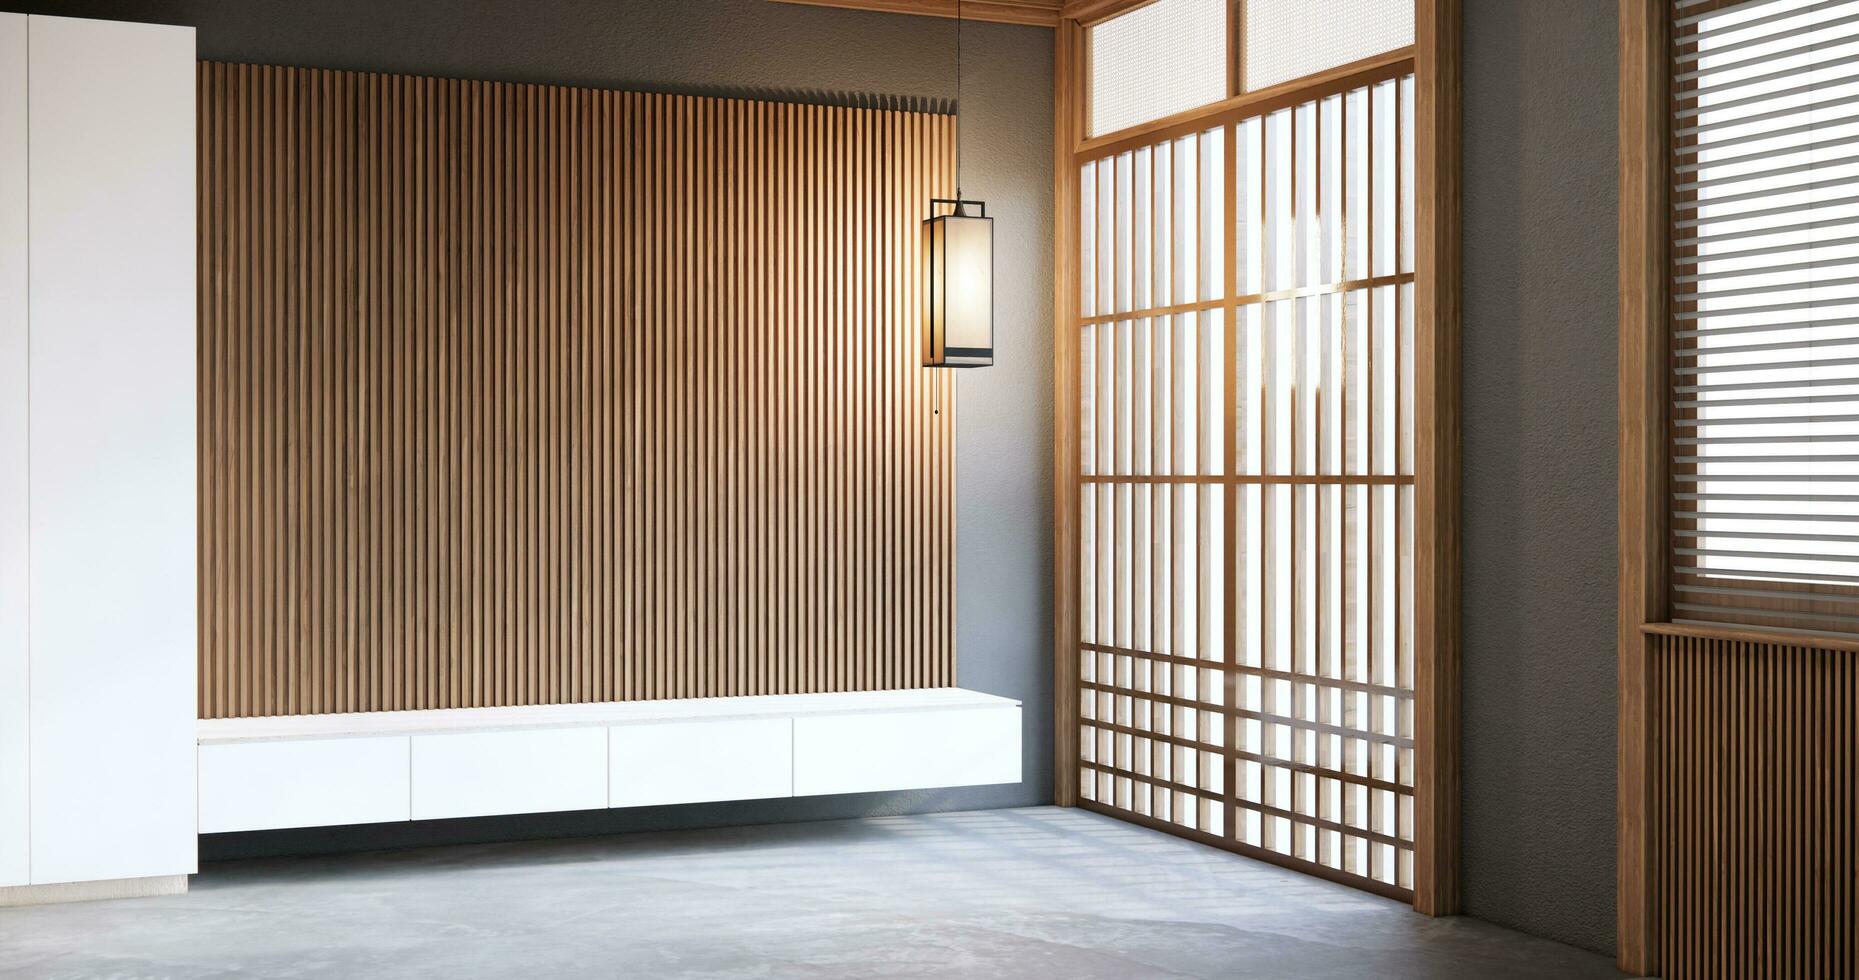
[[958, 287]]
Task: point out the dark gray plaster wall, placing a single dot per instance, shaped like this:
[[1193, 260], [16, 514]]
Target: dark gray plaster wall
[[1539, 466], [768, 50]]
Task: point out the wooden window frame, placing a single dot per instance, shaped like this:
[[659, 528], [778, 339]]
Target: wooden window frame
[[1645, 471], [1644, 370], [1436, 61]]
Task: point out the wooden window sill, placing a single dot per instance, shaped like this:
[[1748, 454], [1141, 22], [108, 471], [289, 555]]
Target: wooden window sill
[[1748, 634]]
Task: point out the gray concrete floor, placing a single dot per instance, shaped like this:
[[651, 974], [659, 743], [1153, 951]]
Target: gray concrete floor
[[1026, 893]]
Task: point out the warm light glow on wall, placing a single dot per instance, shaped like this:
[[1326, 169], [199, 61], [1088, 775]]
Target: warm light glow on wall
[[958, 278]]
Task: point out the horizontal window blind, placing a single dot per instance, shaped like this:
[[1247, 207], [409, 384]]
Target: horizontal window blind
[[1765, 354]]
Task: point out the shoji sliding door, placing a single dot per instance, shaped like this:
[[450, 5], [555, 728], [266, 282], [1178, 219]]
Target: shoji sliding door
[[1246, 403]]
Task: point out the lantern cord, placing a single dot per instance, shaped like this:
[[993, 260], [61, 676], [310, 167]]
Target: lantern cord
[[958, 104]]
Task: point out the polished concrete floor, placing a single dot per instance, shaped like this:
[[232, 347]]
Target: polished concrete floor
[[1003, 893]]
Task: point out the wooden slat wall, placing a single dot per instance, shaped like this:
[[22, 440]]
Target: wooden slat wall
[[1755, 810], [518, 394]]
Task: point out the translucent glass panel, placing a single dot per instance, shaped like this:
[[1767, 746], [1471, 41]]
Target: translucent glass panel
[[1159, 59], [1765, 411], [1288, 39], [1246, 397]]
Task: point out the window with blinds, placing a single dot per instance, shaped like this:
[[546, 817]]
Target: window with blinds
[[1765, 308]]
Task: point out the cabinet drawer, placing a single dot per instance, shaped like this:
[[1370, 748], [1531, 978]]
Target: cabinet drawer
[[701, 761], [478, 774], [316, 783], [862, 753]]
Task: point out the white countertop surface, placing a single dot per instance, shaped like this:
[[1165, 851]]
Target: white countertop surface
[[443, 720]]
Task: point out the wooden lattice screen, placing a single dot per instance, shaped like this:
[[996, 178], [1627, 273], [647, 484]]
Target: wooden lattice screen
[[1246, 410]]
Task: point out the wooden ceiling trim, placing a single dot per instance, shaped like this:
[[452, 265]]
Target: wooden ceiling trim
[[1088, 12], [1037, 13]]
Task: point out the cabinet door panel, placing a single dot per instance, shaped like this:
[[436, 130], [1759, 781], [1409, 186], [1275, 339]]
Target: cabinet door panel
[[701, 761], [864, 753], [535, 771], [321, 782], [15, 765], [112, 448]]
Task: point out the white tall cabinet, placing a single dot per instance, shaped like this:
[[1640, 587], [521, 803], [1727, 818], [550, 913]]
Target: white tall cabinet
[[98, 591]]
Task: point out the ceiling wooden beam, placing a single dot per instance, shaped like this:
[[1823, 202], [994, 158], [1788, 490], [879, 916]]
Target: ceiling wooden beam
[[1088, 12], [1038, 13]]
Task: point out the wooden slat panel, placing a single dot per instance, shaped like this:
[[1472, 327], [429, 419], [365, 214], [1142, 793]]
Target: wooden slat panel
[[518, 394], [1755, 809]]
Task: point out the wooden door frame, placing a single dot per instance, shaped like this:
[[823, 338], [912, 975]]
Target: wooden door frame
[[1436, 436]]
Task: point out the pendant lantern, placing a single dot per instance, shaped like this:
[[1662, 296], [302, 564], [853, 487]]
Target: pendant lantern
[[958, 265]]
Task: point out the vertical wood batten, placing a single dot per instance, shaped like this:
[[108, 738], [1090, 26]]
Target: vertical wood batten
[[516, 394], [1753, 845]]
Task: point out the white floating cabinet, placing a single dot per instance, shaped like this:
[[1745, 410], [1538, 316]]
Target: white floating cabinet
[[312, 783], [271, 773], [97, 450]]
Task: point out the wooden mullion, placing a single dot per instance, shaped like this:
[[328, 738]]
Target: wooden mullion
[[1380, 67], [1290, 815], [1338, 683], [1229, 414], [1235, 753], [1258, 853], [1263, 716], [1436, 457], [1158, 328], [1235, 47], [1291, 292], [1067, 66]]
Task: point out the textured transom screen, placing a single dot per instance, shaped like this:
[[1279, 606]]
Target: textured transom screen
[[1246, 487], [1287, 39], [1765, 410], [1158, 59], [518, 394]]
